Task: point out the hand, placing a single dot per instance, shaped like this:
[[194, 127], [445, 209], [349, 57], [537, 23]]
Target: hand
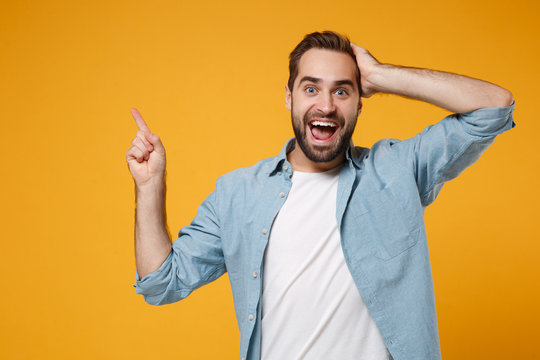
[[367, 65], [146, 156]]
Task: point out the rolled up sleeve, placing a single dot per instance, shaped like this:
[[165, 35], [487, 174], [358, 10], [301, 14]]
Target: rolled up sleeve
[[443, 150], [488, 122], [154, 283], [196, 259]]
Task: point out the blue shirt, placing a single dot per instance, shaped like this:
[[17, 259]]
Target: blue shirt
[[382, 194]]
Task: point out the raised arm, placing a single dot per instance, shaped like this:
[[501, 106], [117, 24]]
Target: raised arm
[[456, 93], [443, 150], [146, 160]]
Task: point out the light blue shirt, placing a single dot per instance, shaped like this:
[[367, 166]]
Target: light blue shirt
[[382, 194]]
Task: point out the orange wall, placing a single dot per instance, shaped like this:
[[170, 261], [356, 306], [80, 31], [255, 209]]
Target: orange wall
[[208, 77]]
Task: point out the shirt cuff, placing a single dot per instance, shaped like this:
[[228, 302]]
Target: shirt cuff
[[488, 121], [155, 282]]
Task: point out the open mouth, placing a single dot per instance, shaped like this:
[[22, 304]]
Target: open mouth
[[322, 131]]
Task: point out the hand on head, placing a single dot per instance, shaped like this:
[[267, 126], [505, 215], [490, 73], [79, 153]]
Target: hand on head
[[367, 65]]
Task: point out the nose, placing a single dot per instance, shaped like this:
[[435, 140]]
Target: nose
[[326, 104]]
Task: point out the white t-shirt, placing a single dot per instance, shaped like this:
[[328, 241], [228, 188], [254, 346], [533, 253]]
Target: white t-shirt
[[311, 308]]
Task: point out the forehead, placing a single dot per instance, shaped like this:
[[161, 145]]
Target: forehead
[[328, 65]]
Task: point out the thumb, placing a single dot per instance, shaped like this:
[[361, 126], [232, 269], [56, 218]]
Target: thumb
[[156, 142]]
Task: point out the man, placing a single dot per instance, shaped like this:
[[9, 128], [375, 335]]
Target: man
[[324, 244]]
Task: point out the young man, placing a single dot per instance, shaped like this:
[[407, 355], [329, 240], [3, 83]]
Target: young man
[[324, 244]]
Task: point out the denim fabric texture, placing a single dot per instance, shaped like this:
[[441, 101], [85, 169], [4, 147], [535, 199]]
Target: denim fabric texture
[[382, 194]]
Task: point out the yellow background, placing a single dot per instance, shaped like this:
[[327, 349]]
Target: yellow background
[[208, 77]]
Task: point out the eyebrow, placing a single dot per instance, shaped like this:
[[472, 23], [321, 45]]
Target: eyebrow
[[317, 80], [344, 82], [309, 79]]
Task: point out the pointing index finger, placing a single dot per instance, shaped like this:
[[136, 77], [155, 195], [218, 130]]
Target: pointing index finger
[[139, 120]]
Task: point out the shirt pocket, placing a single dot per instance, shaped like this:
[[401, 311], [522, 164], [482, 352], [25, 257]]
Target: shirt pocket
[[383, 224]]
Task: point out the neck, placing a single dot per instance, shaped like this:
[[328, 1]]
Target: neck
[[300, 162]]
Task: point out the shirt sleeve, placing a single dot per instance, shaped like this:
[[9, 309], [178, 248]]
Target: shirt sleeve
[[443, 150], [196, 259]]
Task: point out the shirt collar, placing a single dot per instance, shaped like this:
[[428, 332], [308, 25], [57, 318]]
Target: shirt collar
[[277, 161], [356, 154]]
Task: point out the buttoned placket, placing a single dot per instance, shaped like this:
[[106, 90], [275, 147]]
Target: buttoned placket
[[284, 186], [264, 231]]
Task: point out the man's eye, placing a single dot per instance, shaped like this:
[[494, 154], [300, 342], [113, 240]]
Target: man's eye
[[310, 90], [341, 92]]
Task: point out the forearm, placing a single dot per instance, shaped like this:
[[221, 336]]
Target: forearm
[[152, 242], [453, 92]]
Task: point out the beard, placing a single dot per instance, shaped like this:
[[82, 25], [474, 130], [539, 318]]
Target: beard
[[323, 153]]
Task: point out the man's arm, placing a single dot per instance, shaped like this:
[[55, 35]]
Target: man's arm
[[146, 160], [168, 272], [443, 150], [453, 92]]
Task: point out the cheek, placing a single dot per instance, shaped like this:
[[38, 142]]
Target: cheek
[[299, 111], [351, 110]]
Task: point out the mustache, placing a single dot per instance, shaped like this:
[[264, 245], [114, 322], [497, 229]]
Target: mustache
[[329, 116]]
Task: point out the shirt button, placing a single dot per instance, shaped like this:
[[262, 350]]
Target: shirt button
[[279, 173], [250, 317], [254, 274], [285, 166], [264, 231], [281, 195]]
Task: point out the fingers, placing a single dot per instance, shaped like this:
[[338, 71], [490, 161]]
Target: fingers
[[144, 132], [143, 136], [358, 50], [141, 124], [140, 145], [135, 153], [148, 141], [155, 141]]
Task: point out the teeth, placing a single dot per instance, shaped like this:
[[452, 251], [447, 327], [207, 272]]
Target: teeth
[[323, 123]]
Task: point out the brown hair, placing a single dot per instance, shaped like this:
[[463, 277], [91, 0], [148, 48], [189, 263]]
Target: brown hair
[[326, 40]]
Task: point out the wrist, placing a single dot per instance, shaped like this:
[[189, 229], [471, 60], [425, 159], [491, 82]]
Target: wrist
[[151, 186], [378, 78], [150, 202]]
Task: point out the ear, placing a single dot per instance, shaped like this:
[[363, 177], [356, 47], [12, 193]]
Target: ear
[[359, 106], [288, 97]]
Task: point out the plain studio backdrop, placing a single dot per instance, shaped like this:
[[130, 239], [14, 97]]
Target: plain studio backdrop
[[208, 77]]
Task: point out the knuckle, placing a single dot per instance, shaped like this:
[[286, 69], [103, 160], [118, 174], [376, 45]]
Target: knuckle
[[144, 142], [140, 136], [140, 148]]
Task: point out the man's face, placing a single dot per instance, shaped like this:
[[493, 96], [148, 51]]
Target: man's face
[[324, 103]]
